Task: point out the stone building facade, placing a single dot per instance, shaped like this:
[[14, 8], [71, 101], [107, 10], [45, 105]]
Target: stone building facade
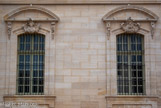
[[81, 58]]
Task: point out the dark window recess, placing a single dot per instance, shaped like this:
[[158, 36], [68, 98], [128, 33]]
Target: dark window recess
[[130, 64], [31, 52]]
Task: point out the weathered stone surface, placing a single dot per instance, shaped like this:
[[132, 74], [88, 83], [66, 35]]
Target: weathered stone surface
[[80, 61]]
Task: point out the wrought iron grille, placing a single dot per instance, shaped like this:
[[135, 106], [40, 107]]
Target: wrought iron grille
[[31, 53], [130, 64]]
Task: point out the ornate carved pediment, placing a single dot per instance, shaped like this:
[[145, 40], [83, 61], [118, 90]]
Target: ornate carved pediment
[[31, 27], [130, 26], [31, 24], [130, 19]]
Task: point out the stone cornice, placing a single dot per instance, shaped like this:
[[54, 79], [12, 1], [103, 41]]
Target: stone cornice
[[27, 8], [79, 2]]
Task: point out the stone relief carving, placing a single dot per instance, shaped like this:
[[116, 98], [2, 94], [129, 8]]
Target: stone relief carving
[[9, 29], [31, 27], [108, 29], [130, 26], [153, 24], [53, 29]]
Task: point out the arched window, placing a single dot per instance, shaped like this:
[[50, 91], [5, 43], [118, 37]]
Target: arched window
[[130, 64], [30, 75]]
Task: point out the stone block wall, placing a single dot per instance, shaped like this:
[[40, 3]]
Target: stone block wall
[[80, 60]]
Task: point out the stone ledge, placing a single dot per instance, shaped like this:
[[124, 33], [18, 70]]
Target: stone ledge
[[131, 96], [29, 96]]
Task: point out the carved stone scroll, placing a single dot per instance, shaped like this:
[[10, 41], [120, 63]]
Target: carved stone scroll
[[53, 29], [153, 24], [9, 29], [108, 25], [31, 27], [130, 26]]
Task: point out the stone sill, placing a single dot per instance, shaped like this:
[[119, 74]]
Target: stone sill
[[131, 96], [30, 96]]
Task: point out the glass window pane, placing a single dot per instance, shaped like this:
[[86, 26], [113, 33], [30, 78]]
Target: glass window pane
[[21, 73], [133, 58], [41, 81], [30, 63], [21, 58], [41, 89], [26, 89], [139, 47], [22, 46], [40, 73], [27, 73], [140, 74], [35, 81], [20, 89], [130, 64], [21, 81], [140, 89], [134, 89], [34, 89], [27, 81]]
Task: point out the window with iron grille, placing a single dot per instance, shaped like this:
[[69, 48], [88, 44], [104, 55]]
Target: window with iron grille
[[130, 64], [30, 75]]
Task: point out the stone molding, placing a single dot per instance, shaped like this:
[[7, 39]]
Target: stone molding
[[81, 2], [130, 7], [39, 99], [30, 25], [26, 8], [130, 24], [131, 96]]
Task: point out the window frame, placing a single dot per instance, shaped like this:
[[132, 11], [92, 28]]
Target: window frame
[[129, 54], [32, 53]]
